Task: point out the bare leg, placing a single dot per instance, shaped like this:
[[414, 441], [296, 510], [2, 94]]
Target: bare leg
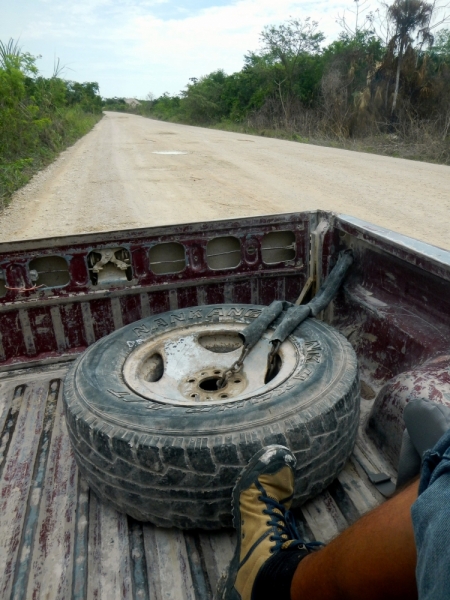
[[375, 558]]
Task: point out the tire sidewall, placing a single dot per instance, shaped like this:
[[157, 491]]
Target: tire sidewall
[[200, 451]]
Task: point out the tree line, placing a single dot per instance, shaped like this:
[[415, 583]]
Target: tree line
[[39, 116], [386, 79]]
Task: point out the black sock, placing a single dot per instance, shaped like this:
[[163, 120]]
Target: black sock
[[273, 581]]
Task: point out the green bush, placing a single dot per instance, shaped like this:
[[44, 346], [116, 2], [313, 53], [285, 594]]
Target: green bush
[[39, 117]]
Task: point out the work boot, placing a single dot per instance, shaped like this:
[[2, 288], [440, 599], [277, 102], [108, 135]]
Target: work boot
[[267, 537]]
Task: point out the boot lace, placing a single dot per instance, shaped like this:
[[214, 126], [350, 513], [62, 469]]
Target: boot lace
[[285, 533]]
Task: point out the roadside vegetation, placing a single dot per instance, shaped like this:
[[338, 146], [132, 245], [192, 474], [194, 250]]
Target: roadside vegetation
[[383, 86], [39, 116]]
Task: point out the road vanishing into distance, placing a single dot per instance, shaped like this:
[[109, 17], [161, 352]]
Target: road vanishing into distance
[[130, 171]]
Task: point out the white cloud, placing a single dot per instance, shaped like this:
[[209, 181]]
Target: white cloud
[[216, 38], [130, 49]]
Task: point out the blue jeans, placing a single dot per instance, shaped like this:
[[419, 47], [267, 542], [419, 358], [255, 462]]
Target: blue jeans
[[431, 521]]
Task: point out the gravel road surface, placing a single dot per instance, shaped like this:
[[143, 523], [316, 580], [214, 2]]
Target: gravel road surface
[[134, 172]]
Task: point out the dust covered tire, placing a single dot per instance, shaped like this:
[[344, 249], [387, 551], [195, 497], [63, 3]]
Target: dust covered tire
[[176, 465]]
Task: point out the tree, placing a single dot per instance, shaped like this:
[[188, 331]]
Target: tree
[[441, 45], [12, 57], [350, 63], [203, 98], [409, 17], [363, 21], [287, 44]]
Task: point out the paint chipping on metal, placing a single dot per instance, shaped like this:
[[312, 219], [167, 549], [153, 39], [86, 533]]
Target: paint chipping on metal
[[58, 541]]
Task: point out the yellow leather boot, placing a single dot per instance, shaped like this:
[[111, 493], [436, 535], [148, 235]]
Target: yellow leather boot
[[261, 501]]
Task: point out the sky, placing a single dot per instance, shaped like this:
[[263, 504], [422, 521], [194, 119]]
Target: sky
[[136, 47]]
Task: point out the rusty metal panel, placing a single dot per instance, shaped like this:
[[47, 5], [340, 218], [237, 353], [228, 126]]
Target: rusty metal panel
[[424, 255], [102, 317], [49, 323], [12, 338], [109, 574], [130, 309], [166, 548], [395, 313], [217, 551], [29, 403], [58, 541], [48, 547]]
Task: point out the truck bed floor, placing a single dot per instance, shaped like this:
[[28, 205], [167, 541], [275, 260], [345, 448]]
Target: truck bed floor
[[58, 541]]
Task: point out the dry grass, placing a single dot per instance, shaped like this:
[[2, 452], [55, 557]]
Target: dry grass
[[420, 141]]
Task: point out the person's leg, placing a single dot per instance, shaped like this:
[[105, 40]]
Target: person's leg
[[374, 558], [430, 516]]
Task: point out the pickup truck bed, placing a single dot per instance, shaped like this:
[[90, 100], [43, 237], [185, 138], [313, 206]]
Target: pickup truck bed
[[58, 541]]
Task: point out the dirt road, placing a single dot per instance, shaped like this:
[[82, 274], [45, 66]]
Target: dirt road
[[115, 178]]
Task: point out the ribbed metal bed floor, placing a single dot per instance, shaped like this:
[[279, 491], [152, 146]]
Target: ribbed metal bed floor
[[58, 541]]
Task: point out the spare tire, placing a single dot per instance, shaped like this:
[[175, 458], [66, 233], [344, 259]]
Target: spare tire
[[154, 438]]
